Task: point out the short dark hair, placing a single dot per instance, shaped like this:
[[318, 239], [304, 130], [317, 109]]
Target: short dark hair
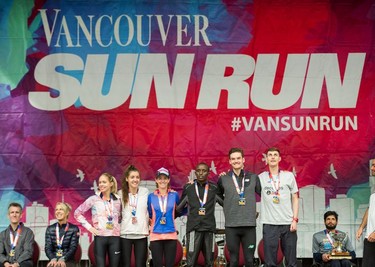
[[331, 213], [15, 204], [273, 149], [204, 164], [234, 150]]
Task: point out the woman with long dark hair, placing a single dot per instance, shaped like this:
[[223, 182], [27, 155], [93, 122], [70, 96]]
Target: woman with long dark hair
[[135, 220]]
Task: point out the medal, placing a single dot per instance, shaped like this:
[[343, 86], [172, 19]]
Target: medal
[[109, 225], [59, 241], [14, 240], [59, 253], [12, 252], [109, 212], [276, 187], [240, 191], [202, 211], [163, 208], [133, 201]]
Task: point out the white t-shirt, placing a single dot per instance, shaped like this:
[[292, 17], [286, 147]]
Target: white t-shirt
[[371, 216], [277, 209]]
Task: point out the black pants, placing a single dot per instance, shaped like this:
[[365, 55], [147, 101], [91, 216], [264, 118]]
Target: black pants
[[197, 242], [271, 235], [139, 246], [163, 249], [337, 263], [241, 235], [107, 245], [368, 254]]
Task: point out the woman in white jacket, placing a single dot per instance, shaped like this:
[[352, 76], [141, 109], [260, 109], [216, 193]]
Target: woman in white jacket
[[135, 218]]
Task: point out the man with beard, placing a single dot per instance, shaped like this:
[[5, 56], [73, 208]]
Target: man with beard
[[200, 198], [369, 221], [324, 243]]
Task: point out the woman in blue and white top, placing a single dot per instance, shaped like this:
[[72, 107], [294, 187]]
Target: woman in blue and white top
[[163, 235]]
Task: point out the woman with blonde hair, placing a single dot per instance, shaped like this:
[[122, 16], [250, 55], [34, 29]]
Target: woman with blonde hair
[[105, 208], [135, 219], [61, 239]]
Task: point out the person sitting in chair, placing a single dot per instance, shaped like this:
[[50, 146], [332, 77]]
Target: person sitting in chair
[[16, 241], [325, 244]]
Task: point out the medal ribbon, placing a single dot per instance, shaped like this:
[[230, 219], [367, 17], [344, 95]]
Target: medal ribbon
[[329, 237], [239, 190], [109, 208], [275, 188], [58, 240], [133, 202], [202, 202], [14, 240], [163, 203]]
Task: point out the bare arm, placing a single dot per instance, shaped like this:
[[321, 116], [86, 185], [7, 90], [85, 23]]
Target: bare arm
[[293, 226], [363, 225]]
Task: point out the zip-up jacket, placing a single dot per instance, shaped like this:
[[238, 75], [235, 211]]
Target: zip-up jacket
[[189, 199], [69, 244]]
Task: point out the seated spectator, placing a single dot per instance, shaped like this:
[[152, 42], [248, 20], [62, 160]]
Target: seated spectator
[[324, 244], [16, 241], [61, 238]]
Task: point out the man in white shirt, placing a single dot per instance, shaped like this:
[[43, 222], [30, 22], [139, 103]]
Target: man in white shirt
[[369, 220], [278, 211]]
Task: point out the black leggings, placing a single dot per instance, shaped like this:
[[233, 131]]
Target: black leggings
[[140, 251], [368, 253], [235, 236], [163, 248], [107, 245]]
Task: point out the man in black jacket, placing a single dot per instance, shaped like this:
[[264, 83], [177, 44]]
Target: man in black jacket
[[16, 242], [200, 198]]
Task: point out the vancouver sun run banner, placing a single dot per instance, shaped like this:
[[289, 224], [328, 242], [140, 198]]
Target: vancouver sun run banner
[[88, 87]]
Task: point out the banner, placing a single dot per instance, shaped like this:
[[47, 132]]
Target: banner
[[88, 87]]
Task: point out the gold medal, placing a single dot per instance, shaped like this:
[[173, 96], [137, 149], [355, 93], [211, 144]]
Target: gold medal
[[276, 199], [12, 252], [163, 220], [242, 201], [59, 253], [202, 211], [109, 225]]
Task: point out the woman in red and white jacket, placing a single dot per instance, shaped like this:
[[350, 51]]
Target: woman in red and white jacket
[[106, 215]]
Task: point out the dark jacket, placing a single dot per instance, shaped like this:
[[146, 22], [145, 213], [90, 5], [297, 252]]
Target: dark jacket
[[189, 198], [23, 250], [69, 244]]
